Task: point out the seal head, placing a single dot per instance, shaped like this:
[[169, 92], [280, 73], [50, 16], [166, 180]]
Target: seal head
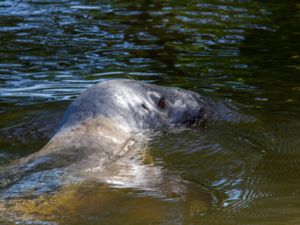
[[135, 106]]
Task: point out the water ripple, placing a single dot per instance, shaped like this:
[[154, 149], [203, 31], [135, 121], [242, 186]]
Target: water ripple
[[54, 37]]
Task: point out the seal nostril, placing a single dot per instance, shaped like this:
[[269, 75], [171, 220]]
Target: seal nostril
[[161, 103], [144, 106]]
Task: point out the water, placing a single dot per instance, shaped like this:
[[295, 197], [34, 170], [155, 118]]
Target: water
[[246, 52]]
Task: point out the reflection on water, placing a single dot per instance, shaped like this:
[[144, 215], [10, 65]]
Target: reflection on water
[[239, 171]]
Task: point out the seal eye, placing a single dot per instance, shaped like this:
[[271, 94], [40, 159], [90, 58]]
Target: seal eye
[[161, 103]]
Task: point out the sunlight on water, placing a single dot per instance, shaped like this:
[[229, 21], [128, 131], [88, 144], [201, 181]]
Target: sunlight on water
[[243, 169]]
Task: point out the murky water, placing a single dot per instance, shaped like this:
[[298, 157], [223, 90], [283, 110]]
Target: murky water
[[239, 171]]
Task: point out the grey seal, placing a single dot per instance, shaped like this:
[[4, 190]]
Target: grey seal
[[106, 121], [106, 116]]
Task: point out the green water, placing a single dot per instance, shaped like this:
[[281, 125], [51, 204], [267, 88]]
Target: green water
[[240, 171]]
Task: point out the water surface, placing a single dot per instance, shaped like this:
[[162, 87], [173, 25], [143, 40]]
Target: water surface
[[247, 52]]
